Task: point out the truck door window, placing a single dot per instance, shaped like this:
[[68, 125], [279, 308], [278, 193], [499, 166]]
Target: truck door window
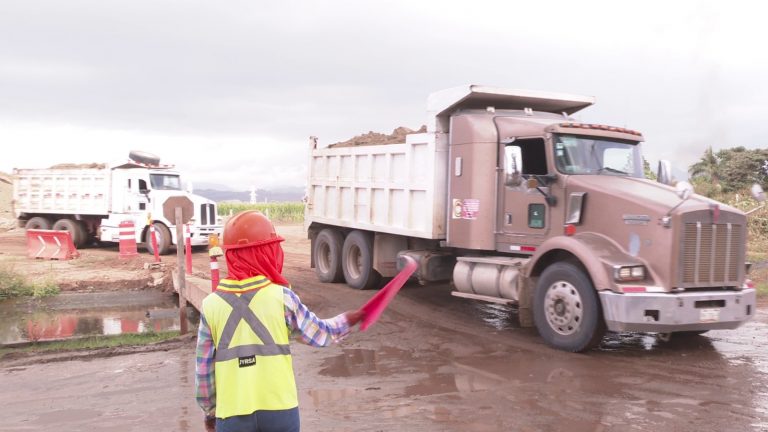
[[528, 155], [142, 186]]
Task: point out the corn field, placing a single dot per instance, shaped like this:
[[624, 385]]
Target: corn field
[[286, 212]]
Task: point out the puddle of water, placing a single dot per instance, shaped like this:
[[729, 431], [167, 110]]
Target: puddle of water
[[71, 315], [500, 317]]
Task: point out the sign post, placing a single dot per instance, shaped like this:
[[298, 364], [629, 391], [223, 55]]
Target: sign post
[[181, 273]]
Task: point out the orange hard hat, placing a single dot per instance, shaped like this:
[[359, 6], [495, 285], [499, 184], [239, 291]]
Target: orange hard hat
[[249, 228]]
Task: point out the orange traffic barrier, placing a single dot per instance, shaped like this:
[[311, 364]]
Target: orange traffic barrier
[[49, 244], [128, 248]]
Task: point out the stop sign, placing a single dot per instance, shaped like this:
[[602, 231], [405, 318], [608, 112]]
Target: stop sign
[[187, 209]]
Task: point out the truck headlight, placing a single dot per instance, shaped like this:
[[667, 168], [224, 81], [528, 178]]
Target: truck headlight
[[629, 273]]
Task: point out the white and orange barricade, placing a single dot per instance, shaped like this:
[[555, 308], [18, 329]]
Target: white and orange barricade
[[214, 251], [153, 237], [128, 248], [188, 248], [50, 244]]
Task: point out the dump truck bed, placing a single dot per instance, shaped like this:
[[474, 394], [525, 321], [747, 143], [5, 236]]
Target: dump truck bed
[[391, 188], [62, 191]]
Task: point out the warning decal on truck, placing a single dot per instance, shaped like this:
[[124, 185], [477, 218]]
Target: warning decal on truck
[[466, 208]]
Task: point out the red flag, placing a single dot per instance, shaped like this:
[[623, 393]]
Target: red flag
[[376, 305]]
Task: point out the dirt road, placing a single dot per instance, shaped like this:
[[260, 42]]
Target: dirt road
[[433, 363]]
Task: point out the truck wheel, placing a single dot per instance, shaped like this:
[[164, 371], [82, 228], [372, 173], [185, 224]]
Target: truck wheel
[[357, 261], [39, 223], [566, 309], [163, 235], [76, 230], [327, 255]]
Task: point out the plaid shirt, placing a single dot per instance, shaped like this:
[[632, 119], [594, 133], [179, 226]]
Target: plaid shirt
[[310, 329]]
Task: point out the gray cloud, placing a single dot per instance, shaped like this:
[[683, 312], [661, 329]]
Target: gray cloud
[[245, 77]]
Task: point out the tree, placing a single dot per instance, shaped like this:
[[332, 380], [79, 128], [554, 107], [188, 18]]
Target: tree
[[647, 171], [740, 168], [729, 170], [707, 169]]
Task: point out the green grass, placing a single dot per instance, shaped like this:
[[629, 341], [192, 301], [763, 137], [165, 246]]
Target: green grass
[[13, 284], [760, 278], [762, 289], [95, 342], [286, 212]]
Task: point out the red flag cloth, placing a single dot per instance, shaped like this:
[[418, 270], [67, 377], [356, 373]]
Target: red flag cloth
[[265, 259], [375, 306]]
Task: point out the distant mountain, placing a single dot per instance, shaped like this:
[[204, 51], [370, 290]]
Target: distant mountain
[[287, 194], [212, 186]]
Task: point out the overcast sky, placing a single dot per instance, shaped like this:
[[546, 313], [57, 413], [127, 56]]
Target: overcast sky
[[230, 91]]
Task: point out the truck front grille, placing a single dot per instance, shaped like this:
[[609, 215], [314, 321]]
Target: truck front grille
[[207, 214], [711, 254]]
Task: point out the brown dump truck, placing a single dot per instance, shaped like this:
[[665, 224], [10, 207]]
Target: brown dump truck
[[516, 202]]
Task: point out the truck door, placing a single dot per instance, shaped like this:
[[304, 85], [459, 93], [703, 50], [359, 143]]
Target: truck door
[[137, 197], [524, 214]]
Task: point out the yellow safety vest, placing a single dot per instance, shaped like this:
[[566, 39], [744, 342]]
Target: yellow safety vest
[[253, 367]]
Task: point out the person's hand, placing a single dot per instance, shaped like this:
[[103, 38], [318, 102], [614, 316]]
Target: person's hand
[[210, 424], [354, 317]]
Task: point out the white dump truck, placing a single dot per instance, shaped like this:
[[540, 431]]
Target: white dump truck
[[91, 200], [514, 201]]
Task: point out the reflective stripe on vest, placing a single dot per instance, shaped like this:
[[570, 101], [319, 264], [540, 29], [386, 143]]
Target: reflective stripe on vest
[[241, 311]]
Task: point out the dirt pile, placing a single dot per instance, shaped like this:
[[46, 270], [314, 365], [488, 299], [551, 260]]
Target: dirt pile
[[374, 138], [79, 166]]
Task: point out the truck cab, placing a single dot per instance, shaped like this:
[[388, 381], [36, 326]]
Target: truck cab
[[150, 191], [569, 200]]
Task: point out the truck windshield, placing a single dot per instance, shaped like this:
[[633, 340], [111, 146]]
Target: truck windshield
[[576, 154], [165, 181]]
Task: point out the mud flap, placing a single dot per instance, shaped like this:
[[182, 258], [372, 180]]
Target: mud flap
[[525, 302]]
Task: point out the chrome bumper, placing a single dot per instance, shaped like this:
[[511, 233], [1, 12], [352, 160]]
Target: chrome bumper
[[200, 234], [669, 312]]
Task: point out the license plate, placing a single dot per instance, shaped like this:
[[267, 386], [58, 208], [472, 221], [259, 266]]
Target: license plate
[[709, 315]]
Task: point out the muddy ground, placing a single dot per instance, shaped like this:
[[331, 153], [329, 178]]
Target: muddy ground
[[433, 363]]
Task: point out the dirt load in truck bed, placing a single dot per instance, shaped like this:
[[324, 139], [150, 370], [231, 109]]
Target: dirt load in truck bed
[[374, 138], [79, 166]]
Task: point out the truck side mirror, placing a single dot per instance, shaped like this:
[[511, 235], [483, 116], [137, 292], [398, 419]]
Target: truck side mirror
[[684, 190], [664, 173], [757, 193], [512, 161]]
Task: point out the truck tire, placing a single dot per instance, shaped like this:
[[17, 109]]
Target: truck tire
[[357, 261], [326, 254], [144, 157], [163, 235], [566, 309], [39, 223], [75, 229]]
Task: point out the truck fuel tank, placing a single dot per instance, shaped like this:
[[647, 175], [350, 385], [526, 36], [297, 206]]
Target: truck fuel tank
[[433, 266], [497, 277]]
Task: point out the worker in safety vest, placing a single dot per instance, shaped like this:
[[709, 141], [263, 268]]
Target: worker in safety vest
[[244, 373]]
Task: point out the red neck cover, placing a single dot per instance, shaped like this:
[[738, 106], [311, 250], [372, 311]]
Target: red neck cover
[[264, 259]]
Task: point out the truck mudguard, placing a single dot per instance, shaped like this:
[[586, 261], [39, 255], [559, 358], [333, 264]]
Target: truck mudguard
[[597, 253]]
